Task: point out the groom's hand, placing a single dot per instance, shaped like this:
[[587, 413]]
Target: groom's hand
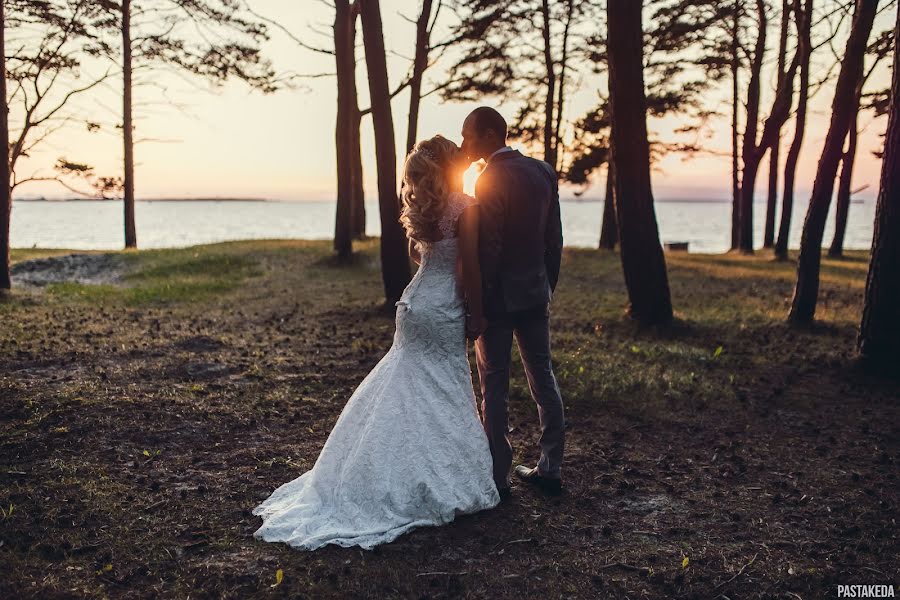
[[475, 326]]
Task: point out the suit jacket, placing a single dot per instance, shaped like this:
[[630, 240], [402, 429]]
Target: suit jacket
[[520, 233]]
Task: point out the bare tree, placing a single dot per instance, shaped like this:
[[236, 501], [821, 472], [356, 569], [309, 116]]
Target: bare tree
[[395, 268], [735, 64], [349, 171], [804, 49], [428, 16], [643, 262], [845, 181], [879, 333], [673, 84], [45, 72], [128, 126], [609, 227], [5, 182], [347, 115], [754, 152], [749, 147], [215, 40], [803, 305], [879, 49], [349, 120], [717, 30], [422, 61], [775, 150]]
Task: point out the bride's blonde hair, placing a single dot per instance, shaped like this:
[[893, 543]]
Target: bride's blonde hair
[[426, 187]]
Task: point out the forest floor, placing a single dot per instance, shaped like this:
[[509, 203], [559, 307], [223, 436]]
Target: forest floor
[[729, 456]]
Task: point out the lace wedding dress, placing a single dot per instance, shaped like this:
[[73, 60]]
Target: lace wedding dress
[[408, 449]]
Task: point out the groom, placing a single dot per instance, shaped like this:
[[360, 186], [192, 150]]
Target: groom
[[520, 245]]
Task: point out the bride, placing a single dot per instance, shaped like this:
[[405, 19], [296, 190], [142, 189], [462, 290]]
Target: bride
[[408, 450]]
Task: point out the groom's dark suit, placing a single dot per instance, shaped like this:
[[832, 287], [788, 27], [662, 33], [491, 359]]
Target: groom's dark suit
[[520, 246]]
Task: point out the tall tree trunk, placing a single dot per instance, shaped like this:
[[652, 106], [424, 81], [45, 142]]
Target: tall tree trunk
[[395, 269], [749, 153], [346, 97], [803, 305], [5, 183], [790, 166], [735, 107], [772, 197], [561, 86], [879, 332], [550, 100], [643, 262], [358, 190], [609, 231], [420, 63], [753, 153], [844, 184], [128, 127]]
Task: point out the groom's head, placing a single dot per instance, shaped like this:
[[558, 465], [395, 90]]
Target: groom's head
[[483, 132]]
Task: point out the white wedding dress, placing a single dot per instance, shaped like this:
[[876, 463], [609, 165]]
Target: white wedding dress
[[408, 450]]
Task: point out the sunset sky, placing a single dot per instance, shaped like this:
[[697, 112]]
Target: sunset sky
[[237, 143]]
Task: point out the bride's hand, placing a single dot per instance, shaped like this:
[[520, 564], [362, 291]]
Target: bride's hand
[[475, 325]]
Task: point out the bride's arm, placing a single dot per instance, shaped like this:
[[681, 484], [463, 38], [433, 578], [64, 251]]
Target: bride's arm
[[414, 252], [471, 271]]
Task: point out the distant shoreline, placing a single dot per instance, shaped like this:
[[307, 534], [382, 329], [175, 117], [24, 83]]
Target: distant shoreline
[[150, 200]]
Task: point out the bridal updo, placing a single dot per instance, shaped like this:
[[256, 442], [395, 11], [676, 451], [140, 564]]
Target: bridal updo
[[426, 187]]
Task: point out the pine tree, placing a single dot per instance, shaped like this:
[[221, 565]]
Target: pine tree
[[879, 333], [395, 270], [165, 32], [643, 262], [803, 304]]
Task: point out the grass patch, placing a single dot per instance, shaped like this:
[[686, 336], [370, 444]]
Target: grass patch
[[180, 276], [160, 267], [20, 254], [166, 276], [77, 292]]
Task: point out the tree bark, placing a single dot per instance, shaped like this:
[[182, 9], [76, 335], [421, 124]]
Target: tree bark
[[609, 231], [561, 87], [358, 202], [420, 63], [753, 153], [395, 269], [735, 107], [128, 128], [643, 261], [749, 150], [358, 189], [790, 166], [772, 196], [803, 305], [550, 100], [844, 184], [346, 118], [879, 332], [5, 183]]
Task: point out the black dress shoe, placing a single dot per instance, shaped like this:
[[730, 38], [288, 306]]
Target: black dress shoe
[[549, 485]]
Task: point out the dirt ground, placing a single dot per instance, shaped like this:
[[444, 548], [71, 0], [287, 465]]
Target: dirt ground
[[729, 456]]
